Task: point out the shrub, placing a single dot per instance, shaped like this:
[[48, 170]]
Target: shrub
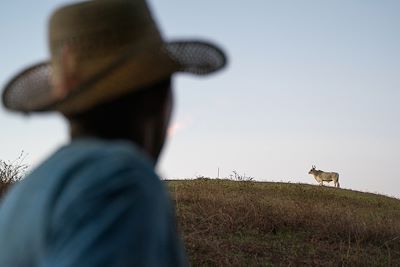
[[11, 172]]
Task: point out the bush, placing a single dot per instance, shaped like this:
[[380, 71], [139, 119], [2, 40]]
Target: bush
[[11, 172]]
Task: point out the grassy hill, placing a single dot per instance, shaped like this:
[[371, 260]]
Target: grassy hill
[[232, 223]]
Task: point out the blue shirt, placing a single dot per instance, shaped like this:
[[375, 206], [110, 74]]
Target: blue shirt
[[92, 203]]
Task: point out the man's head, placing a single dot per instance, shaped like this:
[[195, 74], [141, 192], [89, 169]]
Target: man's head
[[141, 116], [108, 63]]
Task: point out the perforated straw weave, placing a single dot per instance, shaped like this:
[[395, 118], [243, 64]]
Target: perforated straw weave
[[30, 90], [197, 57], [115, 48]]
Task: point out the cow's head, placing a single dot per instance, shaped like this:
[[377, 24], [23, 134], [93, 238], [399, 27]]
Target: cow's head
[[312, 169]]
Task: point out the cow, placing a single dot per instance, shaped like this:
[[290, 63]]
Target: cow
[[322, 177]]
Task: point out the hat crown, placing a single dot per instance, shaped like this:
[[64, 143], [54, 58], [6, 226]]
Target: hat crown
[[102, 24]]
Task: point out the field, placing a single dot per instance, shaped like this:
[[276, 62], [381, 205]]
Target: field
[[244, 223]]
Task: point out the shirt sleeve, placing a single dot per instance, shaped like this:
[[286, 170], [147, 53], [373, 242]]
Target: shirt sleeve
[[115, 216]]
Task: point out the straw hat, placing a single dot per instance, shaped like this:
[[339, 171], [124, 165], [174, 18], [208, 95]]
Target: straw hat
[[109, 48]]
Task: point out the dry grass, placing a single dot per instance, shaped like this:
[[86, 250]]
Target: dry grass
[[228, 223]]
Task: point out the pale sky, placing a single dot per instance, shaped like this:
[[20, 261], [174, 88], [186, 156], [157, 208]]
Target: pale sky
[[309, 82]]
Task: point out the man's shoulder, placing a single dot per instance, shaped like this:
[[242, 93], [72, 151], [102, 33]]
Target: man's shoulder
[[92, 150], [86, 153], [99, 160], [89, 171], [88, 163]]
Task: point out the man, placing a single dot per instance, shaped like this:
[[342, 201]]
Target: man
[[97, 201]]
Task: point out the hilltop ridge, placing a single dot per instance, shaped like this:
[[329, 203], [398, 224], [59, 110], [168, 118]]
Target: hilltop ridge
[[238, 223]]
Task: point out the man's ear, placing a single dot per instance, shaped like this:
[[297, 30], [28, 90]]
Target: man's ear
[[67, 76]]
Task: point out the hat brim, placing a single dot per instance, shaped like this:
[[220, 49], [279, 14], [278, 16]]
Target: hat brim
[[31, 89]]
